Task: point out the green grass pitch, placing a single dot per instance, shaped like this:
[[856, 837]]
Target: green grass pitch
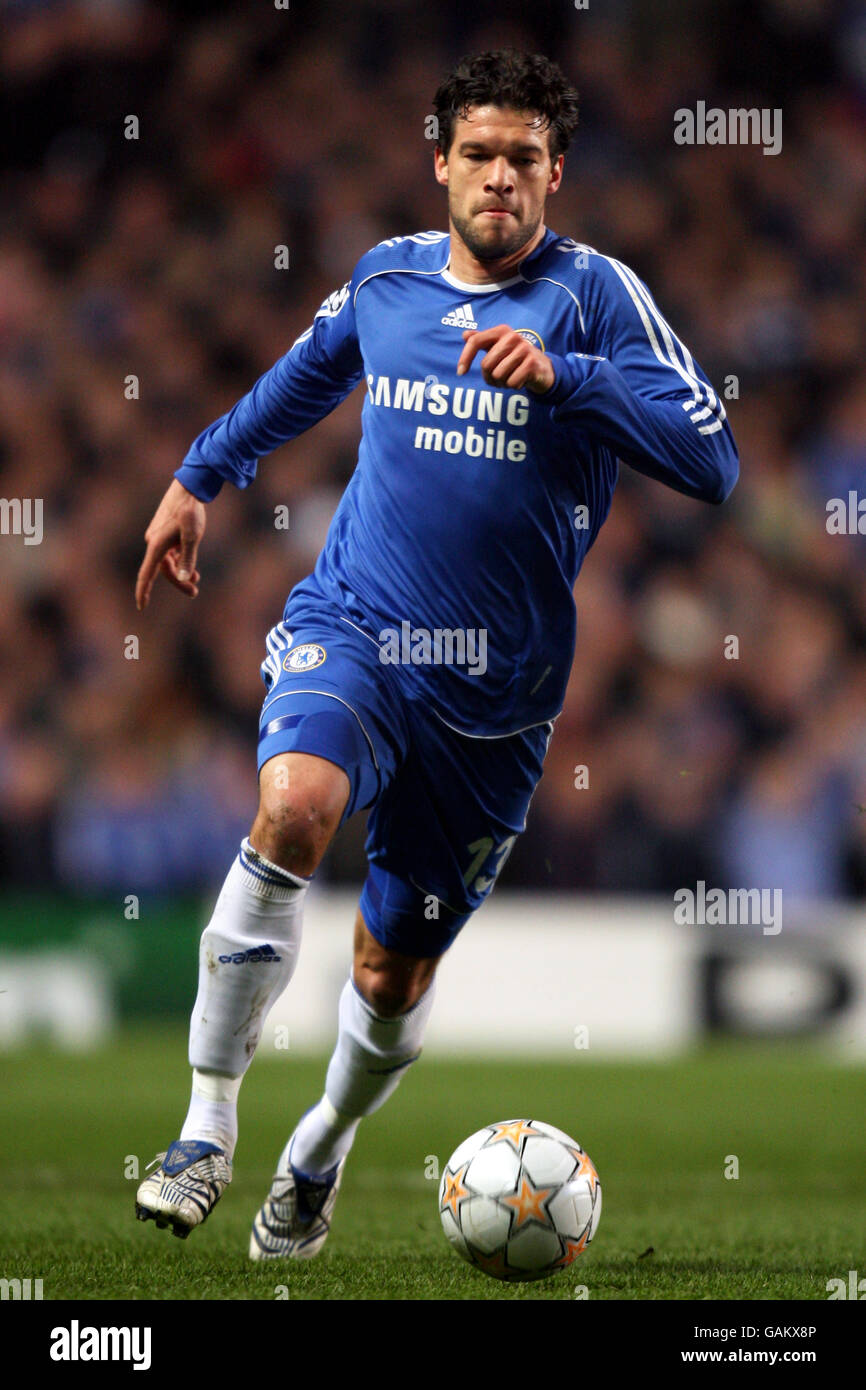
[[672, 1226]]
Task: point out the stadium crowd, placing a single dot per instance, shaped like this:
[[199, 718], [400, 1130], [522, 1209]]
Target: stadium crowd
[[718, 696]]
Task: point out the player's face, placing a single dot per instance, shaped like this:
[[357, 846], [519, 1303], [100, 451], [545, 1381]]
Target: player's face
[[498, 173]]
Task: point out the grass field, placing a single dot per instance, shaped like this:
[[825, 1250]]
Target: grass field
[[672, 1227]]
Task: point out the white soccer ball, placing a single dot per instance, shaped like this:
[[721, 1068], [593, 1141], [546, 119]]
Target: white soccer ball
[[520, 1199]]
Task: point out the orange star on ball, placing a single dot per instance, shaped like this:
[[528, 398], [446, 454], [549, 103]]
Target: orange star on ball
[[528, 1204]]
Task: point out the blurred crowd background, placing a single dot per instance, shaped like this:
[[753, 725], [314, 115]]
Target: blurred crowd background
[[154, 257]]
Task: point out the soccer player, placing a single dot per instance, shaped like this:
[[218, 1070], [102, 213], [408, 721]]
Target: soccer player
[[418, 670]]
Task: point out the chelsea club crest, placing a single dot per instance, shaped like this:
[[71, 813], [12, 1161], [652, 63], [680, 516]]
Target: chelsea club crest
[[531, 337], [306, 657]]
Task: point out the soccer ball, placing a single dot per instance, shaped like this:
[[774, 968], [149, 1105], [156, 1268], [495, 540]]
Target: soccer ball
[[520, 1199]]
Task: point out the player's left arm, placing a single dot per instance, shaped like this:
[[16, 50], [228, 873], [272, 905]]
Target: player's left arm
[[640, 391]]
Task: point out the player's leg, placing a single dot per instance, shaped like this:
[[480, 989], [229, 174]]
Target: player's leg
[[447, 820], [383, 1014], [250, 948], [326, 744], [247, 956]]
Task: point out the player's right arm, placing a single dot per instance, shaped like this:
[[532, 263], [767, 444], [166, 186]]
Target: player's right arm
[[637, 389], [320, 369]]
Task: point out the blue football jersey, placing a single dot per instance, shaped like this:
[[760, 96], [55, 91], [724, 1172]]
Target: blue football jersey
[[471, 507]]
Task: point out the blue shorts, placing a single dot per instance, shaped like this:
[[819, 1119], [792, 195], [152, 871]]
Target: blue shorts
[[446, 808]]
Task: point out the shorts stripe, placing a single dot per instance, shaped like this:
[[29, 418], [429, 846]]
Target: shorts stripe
[[278, 640], [285, 721], [282, 695]]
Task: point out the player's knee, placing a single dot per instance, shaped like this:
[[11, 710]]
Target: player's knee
[[392, 988], [298, 812], [290, 836], [293, 834]]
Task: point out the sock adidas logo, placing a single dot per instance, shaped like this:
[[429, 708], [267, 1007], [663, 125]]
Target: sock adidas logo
[[461, 317], [265, 954]]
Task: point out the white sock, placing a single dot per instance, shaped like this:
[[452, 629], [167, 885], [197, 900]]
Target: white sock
[[213, 1110], [323, 1137], [247, 957], [369, 1062]]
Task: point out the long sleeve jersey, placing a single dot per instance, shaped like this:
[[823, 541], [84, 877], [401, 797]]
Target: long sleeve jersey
[[472, 507]]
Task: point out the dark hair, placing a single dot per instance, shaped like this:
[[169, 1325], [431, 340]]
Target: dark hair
[[506, 77]]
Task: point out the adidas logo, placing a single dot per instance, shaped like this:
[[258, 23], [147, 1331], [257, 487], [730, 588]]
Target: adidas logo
[[461, 317], [267, 954]]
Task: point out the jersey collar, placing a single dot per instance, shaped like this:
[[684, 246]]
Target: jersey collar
[[493, 285]]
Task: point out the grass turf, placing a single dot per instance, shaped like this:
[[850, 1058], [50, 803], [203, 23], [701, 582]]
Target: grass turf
[[672, 1226]]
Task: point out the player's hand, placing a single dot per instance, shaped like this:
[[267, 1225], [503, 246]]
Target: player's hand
[[510, 360], [173, 538]]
